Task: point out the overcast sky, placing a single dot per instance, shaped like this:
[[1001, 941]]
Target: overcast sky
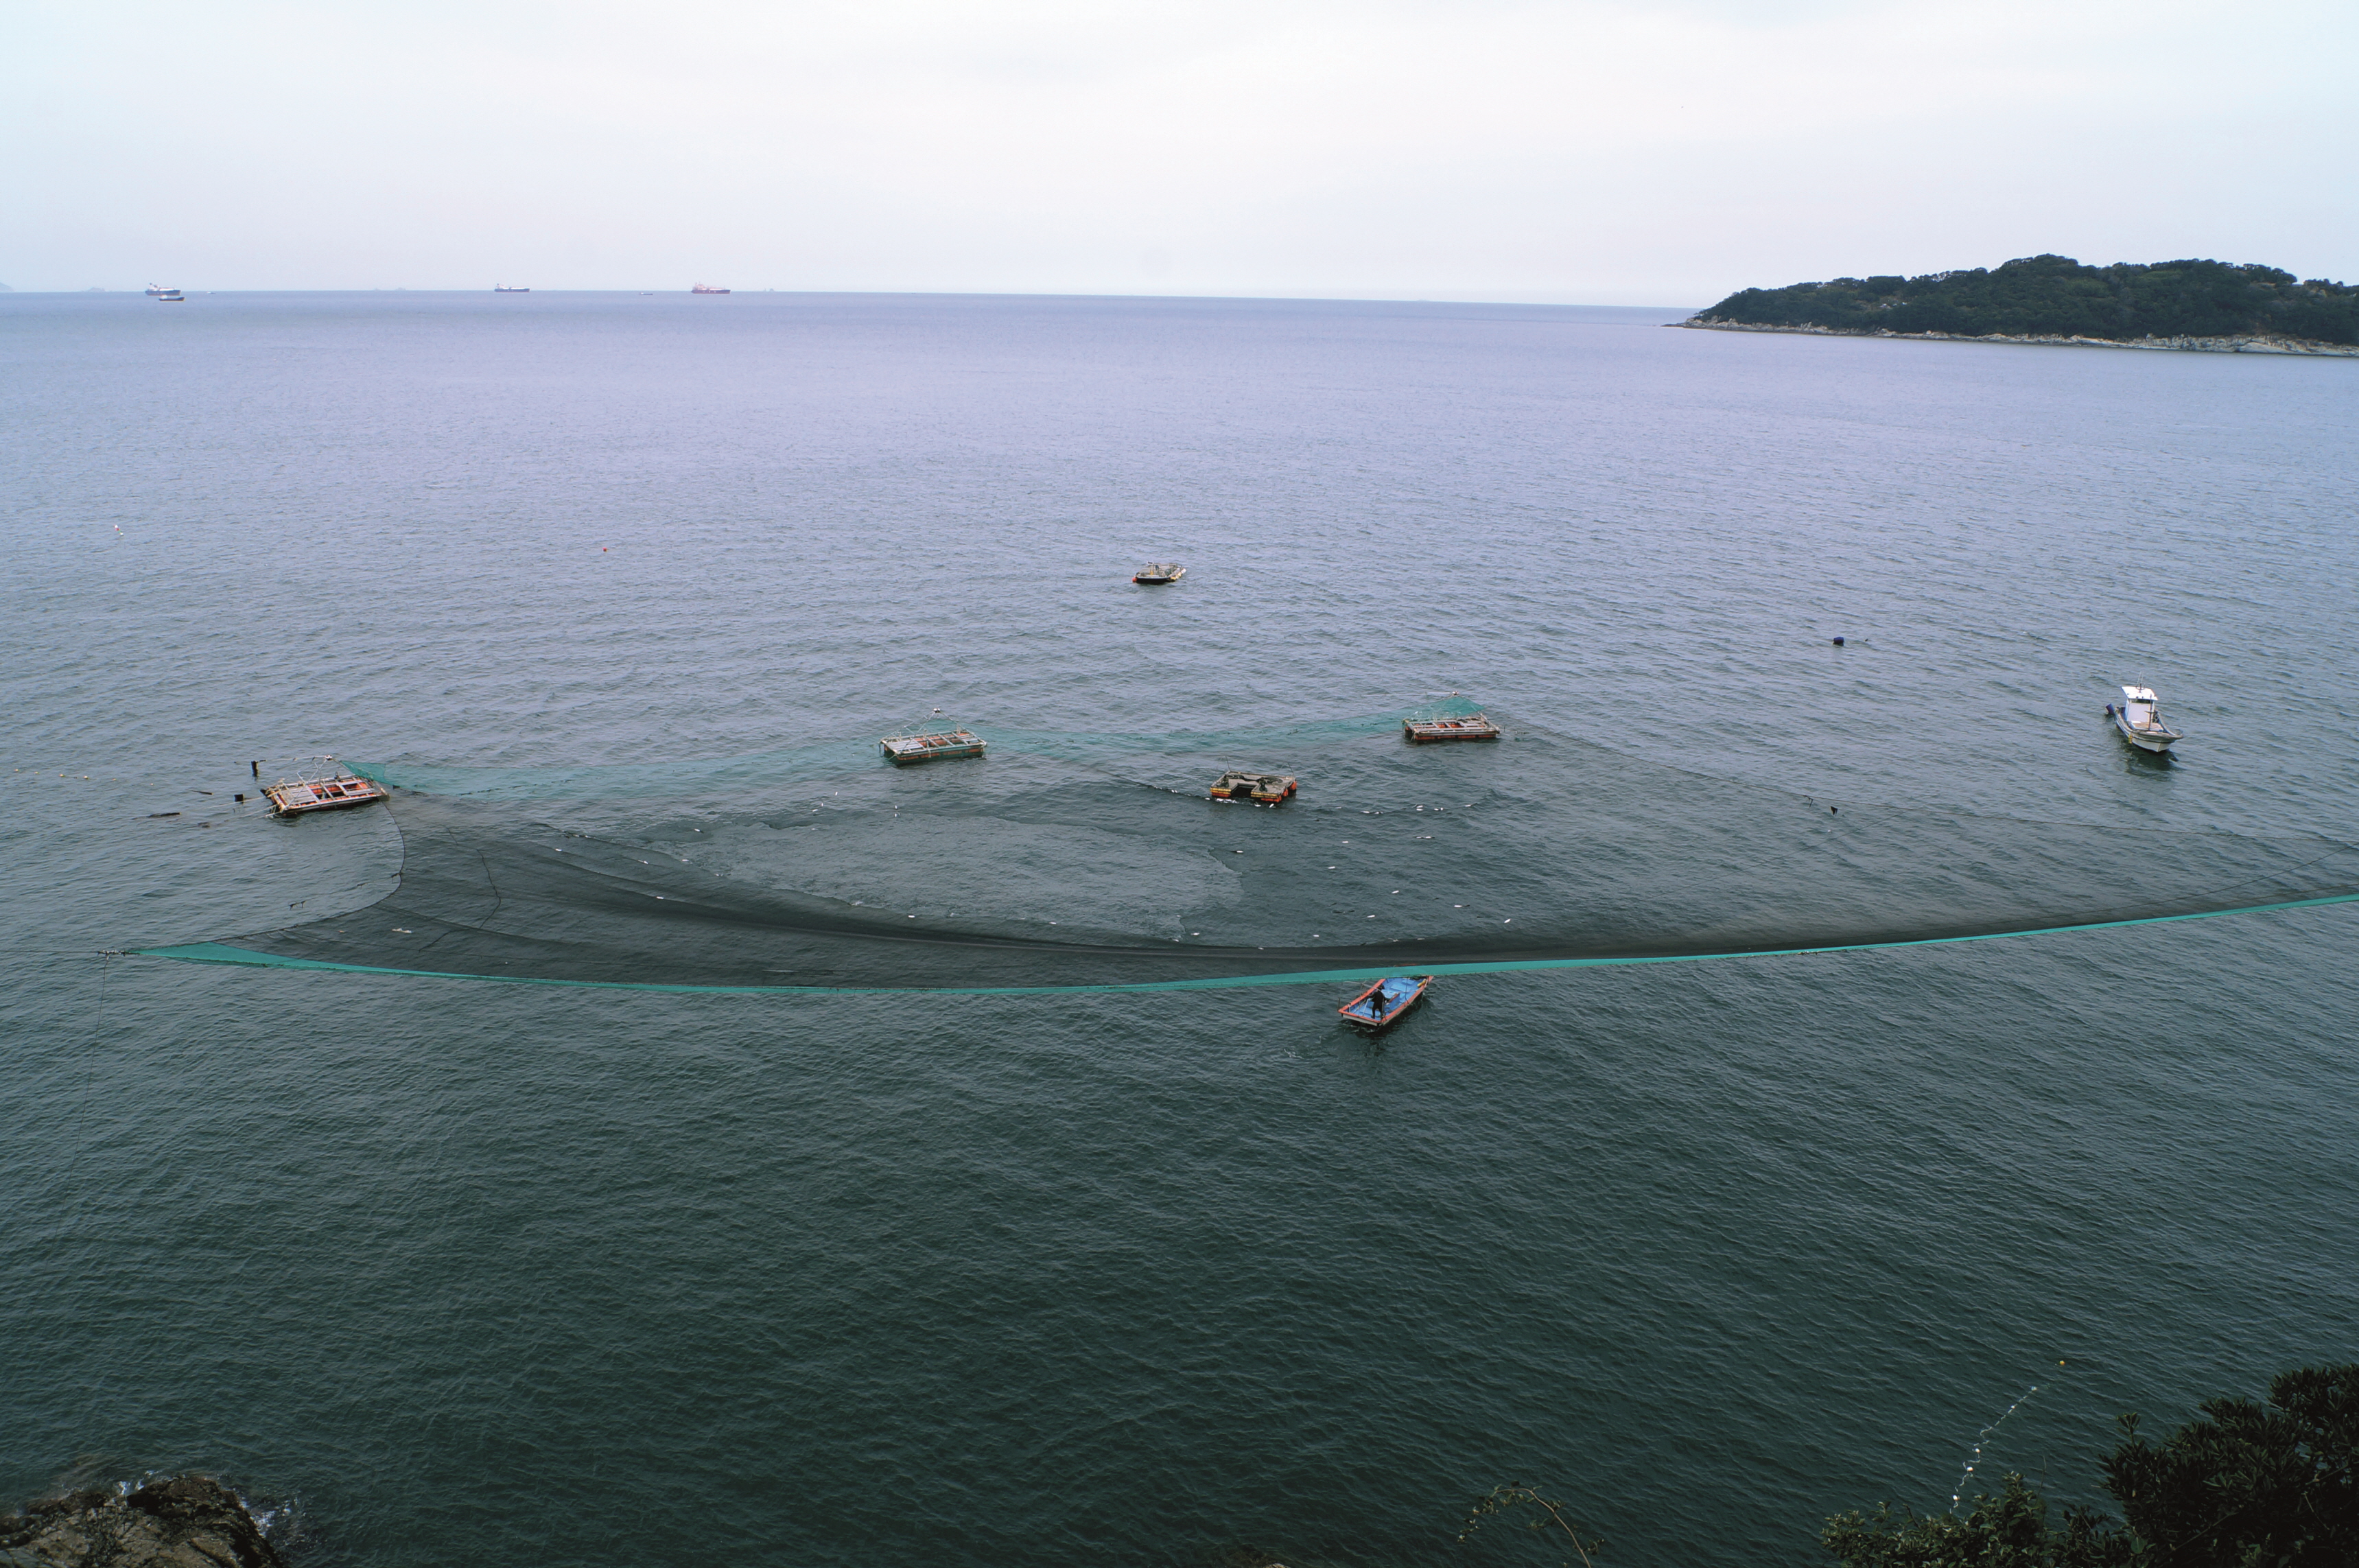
[[1579, 150]]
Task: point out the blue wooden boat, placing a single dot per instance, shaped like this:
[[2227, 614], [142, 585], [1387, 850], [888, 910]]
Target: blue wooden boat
[[1385, 1003]]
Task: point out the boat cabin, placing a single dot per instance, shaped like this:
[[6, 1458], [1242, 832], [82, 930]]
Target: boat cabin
[[1262, 788], [932, 745], [323, 786]]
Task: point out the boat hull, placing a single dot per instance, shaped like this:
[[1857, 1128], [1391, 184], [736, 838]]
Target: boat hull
[[2153, 741]]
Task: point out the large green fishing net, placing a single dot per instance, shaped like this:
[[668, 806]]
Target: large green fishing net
[[1064, 862]]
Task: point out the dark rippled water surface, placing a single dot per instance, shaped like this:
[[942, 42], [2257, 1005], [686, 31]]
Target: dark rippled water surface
[[456, 1272]]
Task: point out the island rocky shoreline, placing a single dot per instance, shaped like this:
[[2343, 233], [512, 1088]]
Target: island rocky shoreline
[[2253, 344], [186, 1521]]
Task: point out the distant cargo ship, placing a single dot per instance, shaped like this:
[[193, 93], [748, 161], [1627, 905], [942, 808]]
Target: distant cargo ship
[[504, 289], [707, 289]]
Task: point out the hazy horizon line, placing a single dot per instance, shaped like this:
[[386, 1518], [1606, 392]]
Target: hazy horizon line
[[140, 289]]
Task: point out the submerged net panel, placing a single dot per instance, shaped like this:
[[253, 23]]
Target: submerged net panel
[[1453, 706], [1097, 862], [768, 773]]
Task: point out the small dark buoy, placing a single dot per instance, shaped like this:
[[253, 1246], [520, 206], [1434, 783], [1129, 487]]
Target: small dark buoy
[[1838, 642], [257, 769], [241, 797], [1831, 810]]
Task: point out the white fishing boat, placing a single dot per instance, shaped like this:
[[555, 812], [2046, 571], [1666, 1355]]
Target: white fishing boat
[[2139, 718]]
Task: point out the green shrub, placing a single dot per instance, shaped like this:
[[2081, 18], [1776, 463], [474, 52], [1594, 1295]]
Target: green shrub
[[2243, 1486]]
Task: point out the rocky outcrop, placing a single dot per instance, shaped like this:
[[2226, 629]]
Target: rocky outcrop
[[2254, 344], [188, 1521]]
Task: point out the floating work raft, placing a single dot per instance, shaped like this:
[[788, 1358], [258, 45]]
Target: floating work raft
[[323, 787], [1158, 571], [932, 745], [1263, 789], [1461, 726]]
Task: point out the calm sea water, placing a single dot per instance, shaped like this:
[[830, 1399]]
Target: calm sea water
[[462, 1272]]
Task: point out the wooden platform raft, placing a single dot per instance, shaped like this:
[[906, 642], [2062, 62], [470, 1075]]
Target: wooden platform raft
[[1262, 788], [322, 789], [1459, 726], [932, 745]]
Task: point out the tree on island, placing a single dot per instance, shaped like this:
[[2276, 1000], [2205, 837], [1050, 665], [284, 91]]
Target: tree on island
[[2244, 1485], [2055, 296]]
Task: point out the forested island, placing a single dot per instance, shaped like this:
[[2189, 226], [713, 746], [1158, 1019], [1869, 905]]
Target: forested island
[[2054, 299]]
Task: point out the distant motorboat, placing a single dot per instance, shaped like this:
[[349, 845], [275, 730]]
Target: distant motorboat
[[1160, 572], [504, 289], [2139, 718]]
